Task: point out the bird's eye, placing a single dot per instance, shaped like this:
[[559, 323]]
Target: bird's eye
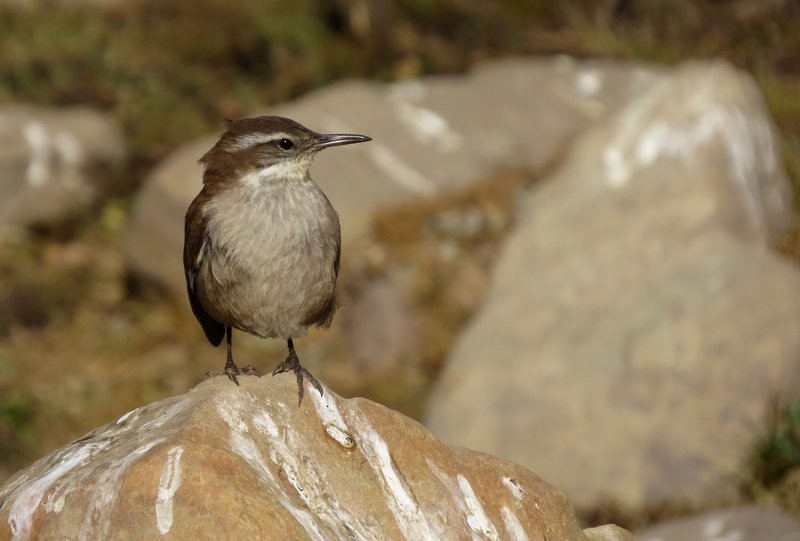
[[285, 144]]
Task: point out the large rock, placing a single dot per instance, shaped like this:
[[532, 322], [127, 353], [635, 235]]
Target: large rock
[[637, 328], [429, 135], [228, 462], [736, 524], [53, 162]]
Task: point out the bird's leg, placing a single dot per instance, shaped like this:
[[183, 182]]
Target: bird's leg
[[231, 370], [292, 362]]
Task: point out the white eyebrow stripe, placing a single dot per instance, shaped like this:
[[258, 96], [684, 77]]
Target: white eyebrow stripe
[[252, 139]]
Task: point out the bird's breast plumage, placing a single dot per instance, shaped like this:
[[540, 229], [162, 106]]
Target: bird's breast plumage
[[271, 259]]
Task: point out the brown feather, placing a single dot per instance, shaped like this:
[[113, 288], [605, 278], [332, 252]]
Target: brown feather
[[194, 238]]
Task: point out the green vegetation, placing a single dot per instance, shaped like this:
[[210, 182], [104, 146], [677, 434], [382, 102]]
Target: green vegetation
[[777, 456], [172, 70]]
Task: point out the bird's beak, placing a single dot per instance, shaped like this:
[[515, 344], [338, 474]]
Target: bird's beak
[[326, 140]]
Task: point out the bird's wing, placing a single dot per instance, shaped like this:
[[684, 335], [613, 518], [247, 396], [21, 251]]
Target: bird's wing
[[195, 245], [322, 315]]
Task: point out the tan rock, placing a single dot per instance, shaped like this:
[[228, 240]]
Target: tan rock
[[637, 307], [55, 162], [228, 462], [609, 532], [740, 523]]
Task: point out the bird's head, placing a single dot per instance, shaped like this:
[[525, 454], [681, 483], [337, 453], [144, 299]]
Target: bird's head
[[268, 149]]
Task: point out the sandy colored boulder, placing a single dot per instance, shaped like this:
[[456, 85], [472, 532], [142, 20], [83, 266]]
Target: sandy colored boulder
[[228, 462], [737, 523], [637, 307], [54, 162]]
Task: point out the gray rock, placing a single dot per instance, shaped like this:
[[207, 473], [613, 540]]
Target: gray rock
[[609, 532], [52, 162], [245, 462], [429, 135], [737, 524], [637, 326], [379, 328]]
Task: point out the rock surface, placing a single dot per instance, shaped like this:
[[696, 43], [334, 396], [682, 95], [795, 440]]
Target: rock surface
[[53, 161], [739, 524], [429, 135], [228, 462], [636, 306]]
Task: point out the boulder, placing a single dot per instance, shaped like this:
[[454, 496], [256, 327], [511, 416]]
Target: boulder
[[54, 162], [429, 135], [245, 462], [638, 329], [739, 523]]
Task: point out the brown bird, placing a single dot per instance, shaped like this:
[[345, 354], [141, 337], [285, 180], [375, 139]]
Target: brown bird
[[262, 242]]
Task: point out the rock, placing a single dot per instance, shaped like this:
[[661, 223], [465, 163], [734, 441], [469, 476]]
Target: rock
[[739, 523], [609, 532], [228, 462], [380, 328], [429, 135], [53, 162], [637, 328]]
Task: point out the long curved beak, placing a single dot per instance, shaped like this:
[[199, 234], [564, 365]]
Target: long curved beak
[[325, 140]]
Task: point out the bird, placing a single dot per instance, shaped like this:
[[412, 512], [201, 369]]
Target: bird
[[262, 242]]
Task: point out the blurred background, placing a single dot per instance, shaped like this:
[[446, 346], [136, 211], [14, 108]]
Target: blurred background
[[105, 106]]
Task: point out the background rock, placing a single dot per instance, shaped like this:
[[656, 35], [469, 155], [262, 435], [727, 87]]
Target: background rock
[[225, 462], [637, 328], [740, 524], [53, 162], [429, 135]]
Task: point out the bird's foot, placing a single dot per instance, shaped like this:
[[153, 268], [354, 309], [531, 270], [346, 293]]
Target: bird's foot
[[233, 372], [292, 362]]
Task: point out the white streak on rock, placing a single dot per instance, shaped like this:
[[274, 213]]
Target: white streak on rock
[[448, 483], [167, 486], [231, 413], [477, 520], [310, 482], [588, 82], [331, 417], [400, 501], [36, 136], [429, 127], [28, 496], [400, 171], [513, 526], [452, 487], [513, 486], [96, 519], [122, 418], [246, 448], [426, 125], [675, 120]]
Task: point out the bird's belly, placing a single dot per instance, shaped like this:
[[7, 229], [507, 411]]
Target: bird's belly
[[278, 303], [269, 277]]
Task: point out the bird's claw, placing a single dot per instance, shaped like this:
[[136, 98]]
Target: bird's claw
[[292, 362], [232, 371]]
